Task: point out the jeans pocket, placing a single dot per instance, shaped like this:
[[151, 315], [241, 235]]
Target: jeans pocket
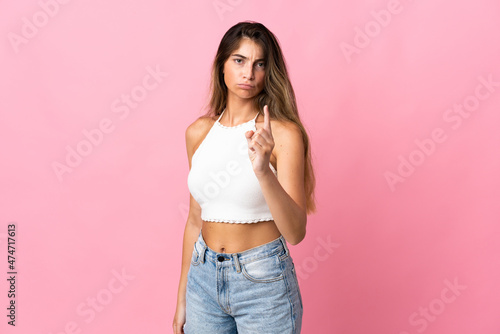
[[195, 256], [263, 270]]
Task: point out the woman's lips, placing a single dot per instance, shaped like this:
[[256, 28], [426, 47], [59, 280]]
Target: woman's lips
[[244, 86]]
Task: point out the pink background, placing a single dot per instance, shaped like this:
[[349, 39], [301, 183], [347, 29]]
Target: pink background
[[373, 80]]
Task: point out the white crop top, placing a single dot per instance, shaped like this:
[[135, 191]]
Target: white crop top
[[222, 179]]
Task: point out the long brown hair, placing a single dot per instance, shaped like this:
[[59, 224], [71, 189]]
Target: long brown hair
[[278, 93]]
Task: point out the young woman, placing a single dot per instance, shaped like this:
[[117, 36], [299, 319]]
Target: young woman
[[252, 186]]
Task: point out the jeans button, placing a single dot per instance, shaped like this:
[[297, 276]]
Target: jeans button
[[221, 258]]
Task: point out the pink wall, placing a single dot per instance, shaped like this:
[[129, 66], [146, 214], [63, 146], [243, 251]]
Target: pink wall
[[402, 103]]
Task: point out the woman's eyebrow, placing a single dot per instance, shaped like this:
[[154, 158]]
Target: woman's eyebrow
[[238, 55]]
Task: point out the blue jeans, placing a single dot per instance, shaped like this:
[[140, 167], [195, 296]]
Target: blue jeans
[[254, 291]]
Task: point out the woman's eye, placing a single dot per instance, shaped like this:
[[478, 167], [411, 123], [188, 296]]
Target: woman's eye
[[262, 64], [236, 60]]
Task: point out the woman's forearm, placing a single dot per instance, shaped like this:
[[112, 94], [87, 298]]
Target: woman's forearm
[[288, 216], [191, 233]]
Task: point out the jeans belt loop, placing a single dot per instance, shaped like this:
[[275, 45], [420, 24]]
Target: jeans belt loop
[[236, 262]]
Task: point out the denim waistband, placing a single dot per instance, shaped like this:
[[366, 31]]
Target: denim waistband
[[275, 246]]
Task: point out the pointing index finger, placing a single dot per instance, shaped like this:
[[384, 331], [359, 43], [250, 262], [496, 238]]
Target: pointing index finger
[[267, 121]]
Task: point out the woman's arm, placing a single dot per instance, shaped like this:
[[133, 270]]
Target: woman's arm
[[194, 132], [285, 194], [191, 231]]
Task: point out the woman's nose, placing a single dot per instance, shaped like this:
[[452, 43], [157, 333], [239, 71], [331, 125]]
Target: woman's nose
[[248, 71]]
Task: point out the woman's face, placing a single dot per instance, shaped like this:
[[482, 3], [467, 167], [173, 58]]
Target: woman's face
[[244, 70]]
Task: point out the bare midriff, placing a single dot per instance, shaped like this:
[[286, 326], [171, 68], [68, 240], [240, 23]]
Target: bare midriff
[[235, 238]]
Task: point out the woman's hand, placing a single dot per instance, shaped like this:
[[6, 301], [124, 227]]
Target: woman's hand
[[260, 146], [179, 318]]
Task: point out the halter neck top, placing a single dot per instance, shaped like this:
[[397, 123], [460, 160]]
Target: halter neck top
[[222, 179]]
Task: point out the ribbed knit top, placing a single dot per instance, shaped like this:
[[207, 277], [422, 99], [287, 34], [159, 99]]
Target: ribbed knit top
[[222, 179]]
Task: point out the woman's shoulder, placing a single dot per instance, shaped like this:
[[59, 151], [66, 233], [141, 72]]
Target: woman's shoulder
[[201, 123], [284, 129], [197, 130], [285, 125], [285, 133]]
